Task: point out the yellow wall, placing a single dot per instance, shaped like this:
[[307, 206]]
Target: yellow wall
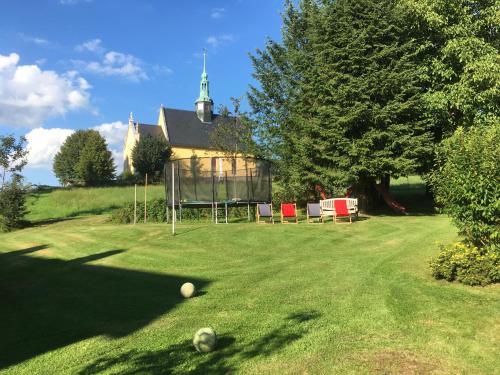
[[127, 150], [180, 152]]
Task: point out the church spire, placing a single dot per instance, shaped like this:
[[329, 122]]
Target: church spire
[[204, 84], [204, 103]]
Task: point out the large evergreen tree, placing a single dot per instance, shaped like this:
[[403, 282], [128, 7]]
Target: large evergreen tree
[[340, 101], [84, 159]]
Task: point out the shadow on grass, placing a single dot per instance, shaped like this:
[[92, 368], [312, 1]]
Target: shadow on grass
[[410, 195], [51, 303], [183, 358], [44, 222]]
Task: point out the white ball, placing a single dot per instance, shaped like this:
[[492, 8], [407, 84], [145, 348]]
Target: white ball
[[188, 290], [205, 340]]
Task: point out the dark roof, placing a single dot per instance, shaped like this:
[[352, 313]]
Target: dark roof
[[152, 130], [186, 130]]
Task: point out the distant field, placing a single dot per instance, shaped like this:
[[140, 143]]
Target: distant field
[[72, 202]]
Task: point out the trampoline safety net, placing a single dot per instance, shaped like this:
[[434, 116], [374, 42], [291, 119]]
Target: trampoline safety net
[[207, 180]]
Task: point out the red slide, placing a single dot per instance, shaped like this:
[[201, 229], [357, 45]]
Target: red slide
[[389, 199], [320, 191]]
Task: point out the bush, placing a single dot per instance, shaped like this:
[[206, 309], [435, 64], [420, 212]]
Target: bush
[[466, 183], [3, 225], [467, 264], [127, 179], [156, 213], [12, 205]]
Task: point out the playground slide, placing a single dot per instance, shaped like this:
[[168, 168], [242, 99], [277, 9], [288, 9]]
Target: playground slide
[[389, 199]]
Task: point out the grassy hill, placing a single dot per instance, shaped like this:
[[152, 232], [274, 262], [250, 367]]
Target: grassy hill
[[56, 203], [85, 296]]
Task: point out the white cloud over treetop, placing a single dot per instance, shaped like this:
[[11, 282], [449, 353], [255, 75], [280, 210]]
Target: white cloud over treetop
[[44, 144], [30, 95], [113, 132]]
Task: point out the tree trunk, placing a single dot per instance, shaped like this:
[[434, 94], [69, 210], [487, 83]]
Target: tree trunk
[[386, 181], [367, 195]]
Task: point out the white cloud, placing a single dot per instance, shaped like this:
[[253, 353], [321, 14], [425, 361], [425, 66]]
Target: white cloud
[[113, 132], [30, 95], [117, 64], [44, 144], [73, 2], [94, 45], [37, 40], [217, 13], [219, 41]]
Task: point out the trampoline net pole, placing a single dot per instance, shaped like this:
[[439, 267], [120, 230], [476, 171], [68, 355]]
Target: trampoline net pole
[[173, 198]]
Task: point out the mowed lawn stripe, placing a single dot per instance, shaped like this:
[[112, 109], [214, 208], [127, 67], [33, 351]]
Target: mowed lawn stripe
[[287, 298]]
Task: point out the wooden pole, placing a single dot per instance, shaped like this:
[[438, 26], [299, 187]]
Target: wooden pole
[[146, 200], [135, 204], [173, 199]]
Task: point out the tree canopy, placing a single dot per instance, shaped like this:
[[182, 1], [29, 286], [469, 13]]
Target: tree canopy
[[150, 154], [340, 100], [233, 134], [360, 91], [13, 156], [84, 159]]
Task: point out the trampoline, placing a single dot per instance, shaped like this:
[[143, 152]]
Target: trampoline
[[216, 183]]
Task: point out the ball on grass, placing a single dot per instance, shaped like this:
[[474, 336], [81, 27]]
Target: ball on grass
[[188, 290], [205, 340]]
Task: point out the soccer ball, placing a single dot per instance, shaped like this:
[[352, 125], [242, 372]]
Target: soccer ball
[[205, 340], [188, 290]]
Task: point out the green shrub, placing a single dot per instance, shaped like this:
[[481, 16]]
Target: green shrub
[[156, 213], [13, 205], [467, 264], [466, 182], [3, 225]]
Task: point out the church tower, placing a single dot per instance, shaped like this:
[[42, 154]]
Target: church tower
[[204, 105]]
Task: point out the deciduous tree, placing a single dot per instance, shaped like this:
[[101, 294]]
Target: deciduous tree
[[150, 154]]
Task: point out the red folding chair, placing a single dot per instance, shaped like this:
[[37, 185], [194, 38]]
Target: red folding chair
[[341, 210], [289, 213]]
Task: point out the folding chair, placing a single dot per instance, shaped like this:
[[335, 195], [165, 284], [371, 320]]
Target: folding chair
[[264, 210], [341, 210], [314, 212], [289, 213]]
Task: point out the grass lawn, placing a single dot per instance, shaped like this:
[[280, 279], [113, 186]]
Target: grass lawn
[[56, 203], [86, 296]]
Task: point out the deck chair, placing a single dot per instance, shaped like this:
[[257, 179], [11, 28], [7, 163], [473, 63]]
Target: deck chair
[[289, 213], [314, 212], [263, 211], [341, 210]]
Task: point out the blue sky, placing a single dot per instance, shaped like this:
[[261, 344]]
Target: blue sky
[[75, 64]]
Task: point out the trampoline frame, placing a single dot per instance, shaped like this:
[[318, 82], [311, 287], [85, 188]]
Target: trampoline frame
[[214, 204]]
